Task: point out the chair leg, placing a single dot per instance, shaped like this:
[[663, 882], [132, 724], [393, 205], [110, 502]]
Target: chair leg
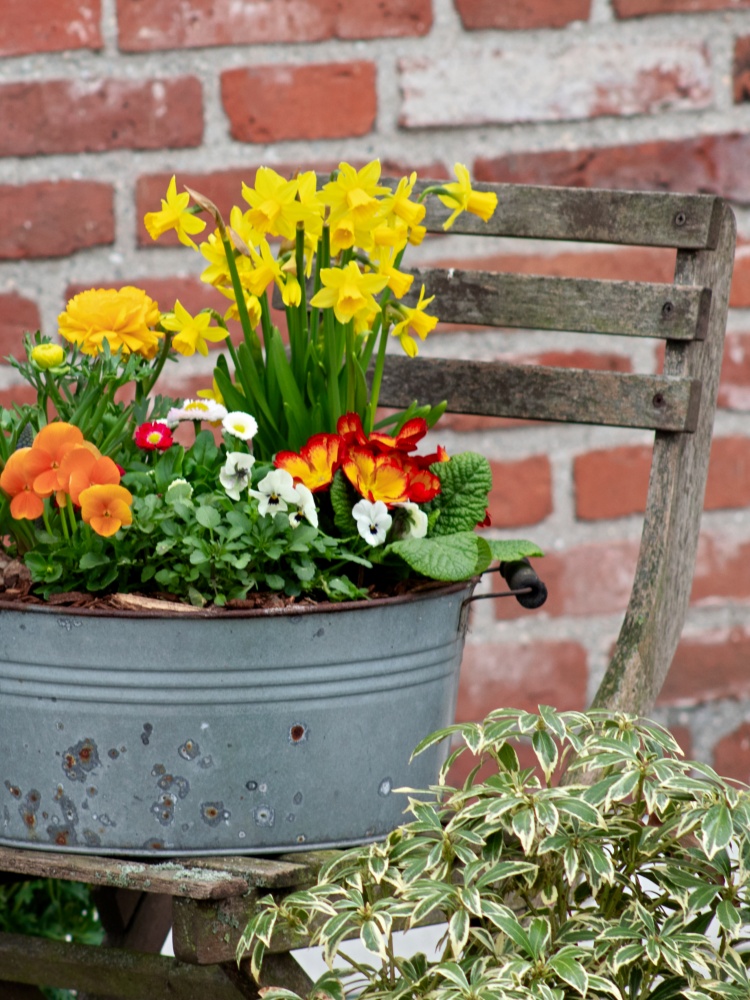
[[139, 921]]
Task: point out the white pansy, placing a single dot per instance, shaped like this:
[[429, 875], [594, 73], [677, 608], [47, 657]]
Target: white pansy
[[373, 520], [275, 493], [305, 507], [240, 425], [197, 409], [236, 472], [414, 525]]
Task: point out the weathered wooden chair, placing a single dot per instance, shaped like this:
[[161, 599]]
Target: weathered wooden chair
[[207, 901]]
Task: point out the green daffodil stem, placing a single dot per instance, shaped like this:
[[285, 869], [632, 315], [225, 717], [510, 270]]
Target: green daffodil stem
[[71, 516], [239, 292], [351, 364], [144, 389], [64, 521], [299, 348]]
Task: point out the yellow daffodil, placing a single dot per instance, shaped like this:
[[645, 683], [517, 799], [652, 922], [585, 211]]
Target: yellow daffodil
[[252, 304], [399, 205], [213, 393], [462, 198], [398, 281], [355, 193], [415, 320], [191, 333], [272, 204], [265, 269], [176, 215], [348, 291]]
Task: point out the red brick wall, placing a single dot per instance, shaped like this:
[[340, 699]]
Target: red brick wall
[[102, 100]]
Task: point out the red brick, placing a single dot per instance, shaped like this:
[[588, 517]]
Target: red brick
[[722, 571], [709, 667], [500, 675], [741, 70], [611, 483], [593, 579], [54, 218], [740, 290], [49, 26], [732, 754], [76, 116], [513, 15], [734, 388], [639, 8], [614, 483], [711, 164], [521, 492], [145, 25], [267, 104], [17, 316], [18, 394]]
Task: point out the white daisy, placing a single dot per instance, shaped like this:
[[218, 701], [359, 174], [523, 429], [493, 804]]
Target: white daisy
[[197, 409], [240, 425]]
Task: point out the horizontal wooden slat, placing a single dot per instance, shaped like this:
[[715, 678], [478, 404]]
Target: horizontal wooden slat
[[630, 308], [592, 215], [202, 878], [530, 392], [113, 972]]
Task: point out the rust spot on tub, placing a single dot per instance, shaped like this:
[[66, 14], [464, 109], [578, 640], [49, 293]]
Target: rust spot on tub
[[189, 750], [298, 733], [14, 790], [213, 813], [62, 836], [80, 760]]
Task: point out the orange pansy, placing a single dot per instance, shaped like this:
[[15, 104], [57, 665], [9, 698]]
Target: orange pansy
[[17, 480], [106, 508], [316, 463], [54, 442], [376, 477], [83, 467]]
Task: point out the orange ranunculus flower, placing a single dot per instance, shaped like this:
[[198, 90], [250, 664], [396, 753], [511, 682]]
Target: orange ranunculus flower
[[316, 463], [53, 442], [124, 318], [17, 480], [106, 508], [376, 477], [83, 467]]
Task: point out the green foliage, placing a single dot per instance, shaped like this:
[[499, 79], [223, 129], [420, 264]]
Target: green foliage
[[630, 879], [50, 908]]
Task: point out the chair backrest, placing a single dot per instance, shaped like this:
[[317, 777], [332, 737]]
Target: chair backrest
[[679, 405]]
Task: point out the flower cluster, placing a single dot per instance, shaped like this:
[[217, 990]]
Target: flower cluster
[[61, 463], [294, 480]]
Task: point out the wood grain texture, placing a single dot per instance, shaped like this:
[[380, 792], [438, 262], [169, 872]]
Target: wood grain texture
[[664, 574], [534, 392], [116, 972], [203, 878], [642, 218], [628, 308]]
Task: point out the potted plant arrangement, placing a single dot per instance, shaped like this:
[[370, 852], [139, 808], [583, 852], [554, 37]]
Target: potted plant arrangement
[[629, 879], [205, 634]]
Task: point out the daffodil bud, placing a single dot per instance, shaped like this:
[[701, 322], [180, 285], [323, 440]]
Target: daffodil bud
[[47, 355]]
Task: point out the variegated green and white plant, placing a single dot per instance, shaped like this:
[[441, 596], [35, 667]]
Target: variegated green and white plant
[[627, 879]]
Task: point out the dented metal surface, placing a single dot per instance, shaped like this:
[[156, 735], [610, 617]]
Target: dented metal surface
[[146, 735]]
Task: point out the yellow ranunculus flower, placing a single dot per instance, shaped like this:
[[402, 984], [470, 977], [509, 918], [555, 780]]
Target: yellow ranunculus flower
[[124, 318], [47, 356]]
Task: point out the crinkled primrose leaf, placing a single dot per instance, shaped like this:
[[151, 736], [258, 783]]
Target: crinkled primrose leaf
[[446, 557]]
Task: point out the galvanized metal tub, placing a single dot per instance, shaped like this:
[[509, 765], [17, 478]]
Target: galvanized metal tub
[[249, 732]]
